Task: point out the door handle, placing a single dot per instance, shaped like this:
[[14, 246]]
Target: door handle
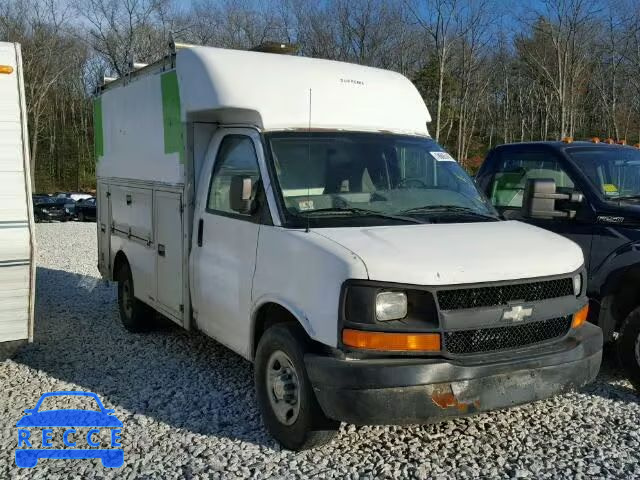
[[161, 250], [200, 229]]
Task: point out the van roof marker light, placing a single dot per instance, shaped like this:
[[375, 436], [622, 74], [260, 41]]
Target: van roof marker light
[[595, 139], [567, 140], [6, 69]]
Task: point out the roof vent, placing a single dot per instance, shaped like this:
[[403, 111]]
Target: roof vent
[[276, 47]]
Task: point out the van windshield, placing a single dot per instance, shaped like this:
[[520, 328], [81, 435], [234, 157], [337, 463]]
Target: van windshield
[[378, 177], [614, 171]]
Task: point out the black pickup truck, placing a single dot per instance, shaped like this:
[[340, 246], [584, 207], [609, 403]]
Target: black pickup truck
[[589, 192]]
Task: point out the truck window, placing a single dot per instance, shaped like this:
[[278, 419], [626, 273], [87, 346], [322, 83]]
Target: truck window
[[615, 172], [514, 169], [236, 156]]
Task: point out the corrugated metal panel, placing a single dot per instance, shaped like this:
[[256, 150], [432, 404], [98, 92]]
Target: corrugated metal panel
[[15, 234], [14, 299]]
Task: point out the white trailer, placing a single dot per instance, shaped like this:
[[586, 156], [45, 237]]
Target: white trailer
[[297, 211], [17, 238]]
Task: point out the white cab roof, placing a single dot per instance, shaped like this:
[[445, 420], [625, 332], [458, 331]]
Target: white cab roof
[[271, 91]]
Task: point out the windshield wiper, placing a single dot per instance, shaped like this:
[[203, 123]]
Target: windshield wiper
[[447, 209], [360, 212]]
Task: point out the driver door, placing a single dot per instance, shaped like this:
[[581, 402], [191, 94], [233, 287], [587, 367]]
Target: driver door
[[225, 242]]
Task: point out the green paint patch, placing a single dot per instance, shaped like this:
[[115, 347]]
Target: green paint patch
[[173, 130], [98, 134]]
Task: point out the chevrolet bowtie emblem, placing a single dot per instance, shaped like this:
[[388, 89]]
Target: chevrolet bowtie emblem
[[517, 314]]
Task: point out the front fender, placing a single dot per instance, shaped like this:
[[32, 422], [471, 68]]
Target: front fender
[[304, 272], [288, 305], [609, 274]]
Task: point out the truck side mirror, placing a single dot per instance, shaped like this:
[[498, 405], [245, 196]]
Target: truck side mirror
[[540, 197], [240, 194]]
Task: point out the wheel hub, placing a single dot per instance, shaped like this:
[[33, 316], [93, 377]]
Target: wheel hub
[[283, 387]]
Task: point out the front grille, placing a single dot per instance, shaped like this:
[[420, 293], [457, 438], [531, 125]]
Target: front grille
[[504, 294], [501, 338]]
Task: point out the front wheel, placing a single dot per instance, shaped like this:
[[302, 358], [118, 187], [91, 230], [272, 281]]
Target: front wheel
[[81, 217], [628, 346], [285, 395]]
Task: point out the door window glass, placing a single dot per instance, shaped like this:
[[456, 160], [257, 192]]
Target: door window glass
[[236, 156], [515, 169]]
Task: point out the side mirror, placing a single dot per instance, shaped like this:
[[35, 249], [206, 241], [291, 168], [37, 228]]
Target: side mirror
[[240, 194], [540, 197]]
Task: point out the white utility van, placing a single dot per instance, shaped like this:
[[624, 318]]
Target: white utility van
[[17, 240], [297, 211]]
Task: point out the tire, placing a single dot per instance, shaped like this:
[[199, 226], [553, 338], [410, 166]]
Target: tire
[[284, 345], [135, 315], [81, 217], [628, 346]]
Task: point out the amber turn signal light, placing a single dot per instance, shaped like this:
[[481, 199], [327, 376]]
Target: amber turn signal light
[[580, 317], [394, 342], [7, 69]]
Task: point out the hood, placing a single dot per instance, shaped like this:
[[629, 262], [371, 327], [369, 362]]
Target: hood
[[448, 254]]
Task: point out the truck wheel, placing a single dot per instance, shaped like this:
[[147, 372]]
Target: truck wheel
[[286, 399], [134, 314], [628, 347]]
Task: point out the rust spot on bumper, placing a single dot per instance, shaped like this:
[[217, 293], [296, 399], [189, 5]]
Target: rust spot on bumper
[[444, 398]]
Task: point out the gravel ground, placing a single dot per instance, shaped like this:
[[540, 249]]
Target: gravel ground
[[189, 409]]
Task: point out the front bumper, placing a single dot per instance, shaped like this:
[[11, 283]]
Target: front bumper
[[419, 390]]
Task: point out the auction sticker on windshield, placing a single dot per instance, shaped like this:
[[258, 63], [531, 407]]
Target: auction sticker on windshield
[[48, 431], [442, 156]]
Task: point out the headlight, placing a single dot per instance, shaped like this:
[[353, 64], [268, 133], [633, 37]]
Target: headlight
[[577, 284], [391, 305]]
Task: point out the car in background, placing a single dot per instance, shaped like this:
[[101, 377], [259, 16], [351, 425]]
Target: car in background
[[86, 209], [75, 196], [47, 209]]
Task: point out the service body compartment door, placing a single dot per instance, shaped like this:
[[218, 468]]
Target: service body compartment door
[[169, 233], [131, 209], [104, 230]]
